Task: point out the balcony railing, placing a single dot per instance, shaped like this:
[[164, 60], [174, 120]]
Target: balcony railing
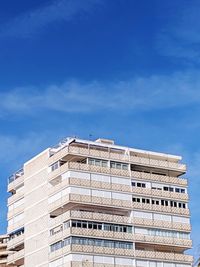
[[162, 224], [91, 233], [15, 241], [102, 250], [159, 178], [168, 241], [160, 208], [103, 217], [86, 263], [159, 193], [144, 254], [139, 254], [93, 216], [15, 211], [92, 264], [15, 226], [16, 175], [116, 172], [163, 240], [91, 200], [90, 184], [16, 257], [118, 187], [166, 164], [16, 196], [15, 183]]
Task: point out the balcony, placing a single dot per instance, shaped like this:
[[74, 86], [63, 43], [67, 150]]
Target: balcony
[[123, 157], [16, 183], [102, 250], [3, 262], [91, 264], [157, 255], [169, 241], [14, 242], [15, 226], [93, 216], [162, 224], [91, 233], [90, 184], [15, 197], [91, 200], [164, 241], [115, 172], [103, 217], [160, 208], [159, 178], [160, 193], [15, 211], [16, 258]]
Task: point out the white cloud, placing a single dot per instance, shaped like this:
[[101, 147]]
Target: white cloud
[[145, 93], [35, 21], [179, 38]]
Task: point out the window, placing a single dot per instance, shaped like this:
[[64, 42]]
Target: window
[[55, 166], [101, 226], [98, 162], [56, 246], [56, 230], [138, 184], [118, 165]]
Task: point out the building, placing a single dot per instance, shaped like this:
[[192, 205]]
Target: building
[[97, 204], [197, 263], [3, 250]]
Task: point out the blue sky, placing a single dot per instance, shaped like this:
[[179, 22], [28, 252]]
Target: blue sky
[[127, 70]]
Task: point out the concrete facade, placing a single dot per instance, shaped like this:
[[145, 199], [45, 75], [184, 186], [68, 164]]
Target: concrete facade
[[96, 204]]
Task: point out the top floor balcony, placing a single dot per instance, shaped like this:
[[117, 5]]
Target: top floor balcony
[[15, 180], [122, 156]]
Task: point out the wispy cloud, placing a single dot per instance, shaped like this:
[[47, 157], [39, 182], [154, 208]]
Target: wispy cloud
[[34, 22], [179, 37], [144, 93]]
